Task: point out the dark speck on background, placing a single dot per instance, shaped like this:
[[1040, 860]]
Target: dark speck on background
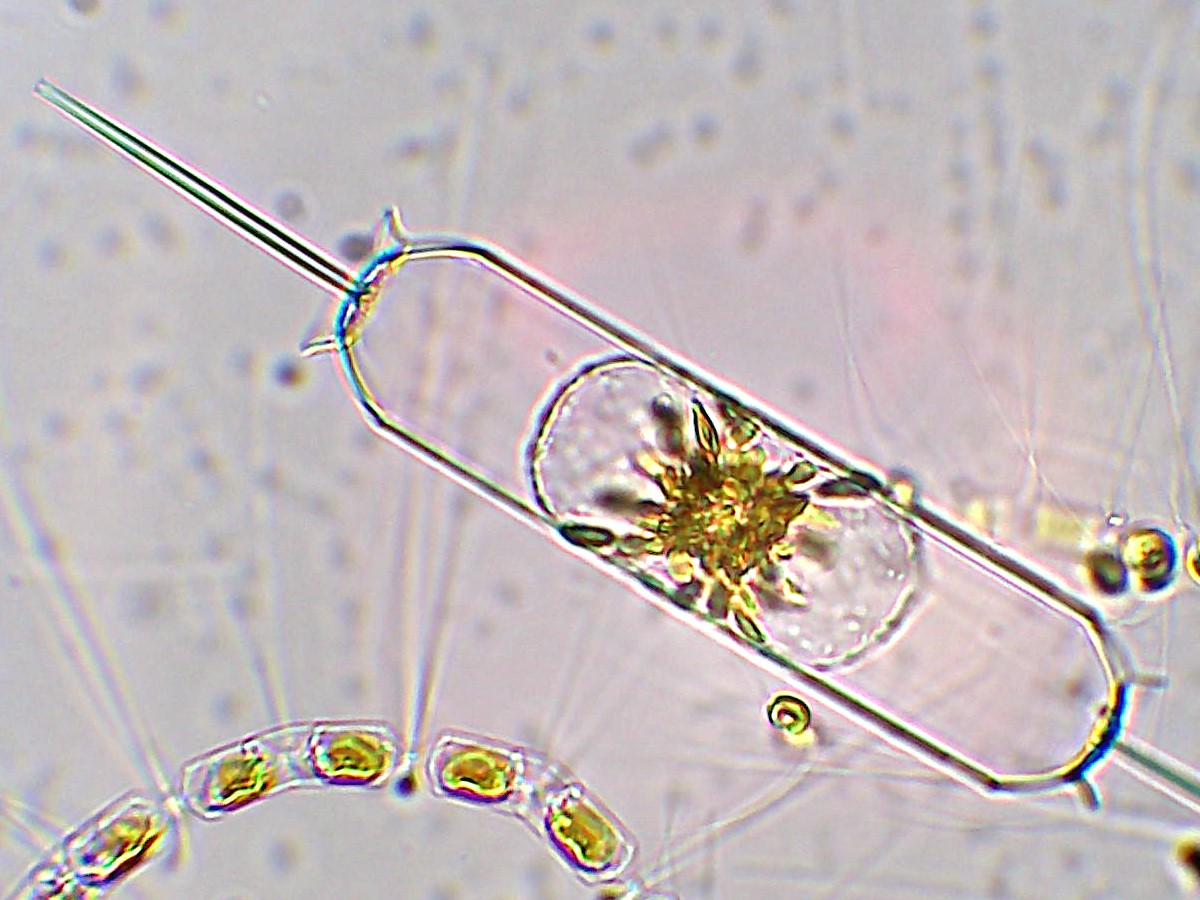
[[421, 33], [127, 78], [406, 785], [601, 34], [290, 206], [290, 374], [355, 246]]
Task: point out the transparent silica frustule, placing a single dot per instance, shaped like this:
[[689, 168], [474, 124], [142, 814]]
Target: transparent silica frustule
[[799, 557], [714, 510]]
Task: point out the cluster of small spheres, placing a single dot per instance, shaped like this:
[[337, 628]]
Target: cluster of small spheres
[[1140, 559]]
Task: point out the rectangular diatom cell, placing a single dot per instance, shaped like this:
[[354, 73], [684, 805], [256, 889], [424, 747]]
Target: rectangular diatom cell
[[296, 755], [234, 776], [103, 851], [593, 843], [356, 754], [754, 529], [118, 840], [488, 772]]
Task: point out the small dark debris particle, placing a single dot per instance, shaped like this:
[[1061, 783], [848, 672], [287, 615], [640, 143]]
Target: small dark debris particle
[[601, 33], [290, 206], [290, 374], [355, 246], [406, 785]]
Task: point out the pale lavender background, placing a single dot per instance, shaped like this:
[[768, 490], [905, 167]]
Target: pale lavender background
[[920, 228]]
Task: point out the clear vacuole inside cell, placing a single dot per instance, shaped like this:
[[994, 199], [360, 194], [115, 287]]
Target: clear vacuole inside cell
[[699, 498]]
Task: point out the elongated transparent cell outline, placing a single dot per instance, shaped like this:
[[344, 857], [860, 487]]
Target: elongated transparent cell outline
[[713, 428]]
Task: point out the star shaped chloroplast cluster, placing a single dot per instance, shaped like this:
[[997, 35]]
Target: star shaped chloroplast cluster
[[717, 510]]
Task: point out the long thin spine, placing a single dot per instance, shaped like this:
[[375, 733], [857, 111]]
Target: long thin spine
[[1159, 771], [251, 223]]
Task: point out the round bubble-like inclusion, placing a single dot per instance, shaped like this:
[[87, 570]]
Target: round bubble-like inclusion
[[700, 498]]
